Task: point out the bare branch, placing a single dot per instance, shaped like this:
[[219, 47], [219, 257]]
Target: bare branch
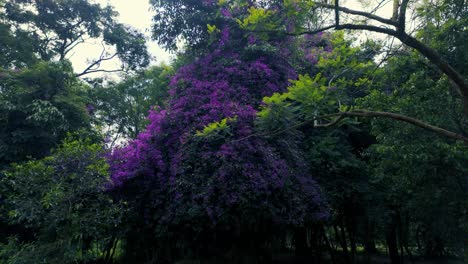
[[377, 29], [94, 71], [358, 13], [94, 67]]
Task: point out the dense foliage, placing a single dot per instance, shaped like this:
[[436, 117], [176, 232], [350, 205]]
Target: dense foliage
[[39, 105], [207, 174], [273, 137], [60, 200]]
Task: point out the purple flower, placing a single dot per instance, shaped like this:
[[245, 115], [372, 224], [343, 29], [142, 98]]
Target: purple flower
[[252, 39], [230, 170], [90, 108], [224, 36], [225, 12]]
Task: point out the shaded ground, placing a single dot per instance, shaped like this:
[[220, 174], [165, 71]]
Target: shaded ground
[[290, 259]]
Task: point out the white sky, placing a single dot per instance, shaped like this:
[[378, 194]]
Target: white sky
[[137, 13]]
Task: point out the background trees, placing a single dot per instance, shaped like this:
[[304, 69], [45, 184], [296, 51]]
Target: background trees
[[121, 107], [270, 138], [60, 199], [57, 27]]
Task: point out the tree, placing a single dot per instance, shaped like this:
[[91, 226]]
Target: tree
[[38, 106], [279, 19], [332, 147], [425, 173], [398, 21], [182, 20], [57, 27], [197, 177], [61, 200], [399, 167], [121, 108]]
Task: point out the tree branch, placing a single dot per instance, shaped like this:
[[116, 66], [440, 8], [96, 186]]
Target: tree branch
[[337, 13], [399, 24], [377, 29], [97, 64], [94, 71], [402, 16], [365, 113], [345, 26], [406, 119], [357, 13], [435, 58]]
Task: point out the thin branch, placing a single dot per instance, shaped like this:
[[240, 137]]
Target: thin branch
[[332, 123], [377, 29], [378, 6], [73, 43], [345, 26], [311, 32], [407, 119], [76, 43], [358, 13], [364, 113], [94, 71], [97, 64]]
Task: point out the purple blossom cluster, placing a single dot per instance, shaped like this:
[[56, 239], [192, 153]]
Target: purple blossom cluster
[[227, 173]]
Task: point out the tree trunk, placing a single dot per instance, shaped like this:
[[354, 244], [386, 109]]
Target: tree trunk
[[329, 246], [300, 241], [391, 237], [350, 226], [344, 243], [369, 243]]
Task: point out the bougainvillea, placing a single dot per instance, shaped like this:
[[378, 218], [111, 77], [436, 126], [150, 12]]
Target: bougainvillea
[[200, 162]]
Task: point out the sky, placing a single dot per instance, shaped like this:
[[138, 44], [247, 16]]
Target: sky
[[138, 14]]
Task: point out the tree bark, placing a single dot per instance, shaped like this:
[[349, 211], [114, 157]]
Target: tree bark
[[391, 238], [329, 246], [344, 242]]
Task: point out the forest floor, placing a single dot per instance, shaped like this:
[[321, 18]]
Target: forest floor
[[383, 259]]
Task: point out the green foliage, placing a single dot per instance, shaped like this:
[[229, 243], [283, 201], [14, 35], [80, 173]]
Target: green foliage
[[177, 20], [17, 48], [216, 127], [444, 29], [258, 19], [61, 200], [38, 106], [52, 29], [418, 173], [122, 108], [344, 75]]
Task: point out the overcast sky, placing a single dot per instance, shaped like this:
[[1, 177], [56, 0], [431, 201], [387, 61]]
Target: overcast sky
[[137, 13]]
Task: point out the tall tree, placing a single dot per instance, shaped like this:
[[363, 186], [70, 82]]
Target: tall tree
[[452, 14], [57, 27]]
